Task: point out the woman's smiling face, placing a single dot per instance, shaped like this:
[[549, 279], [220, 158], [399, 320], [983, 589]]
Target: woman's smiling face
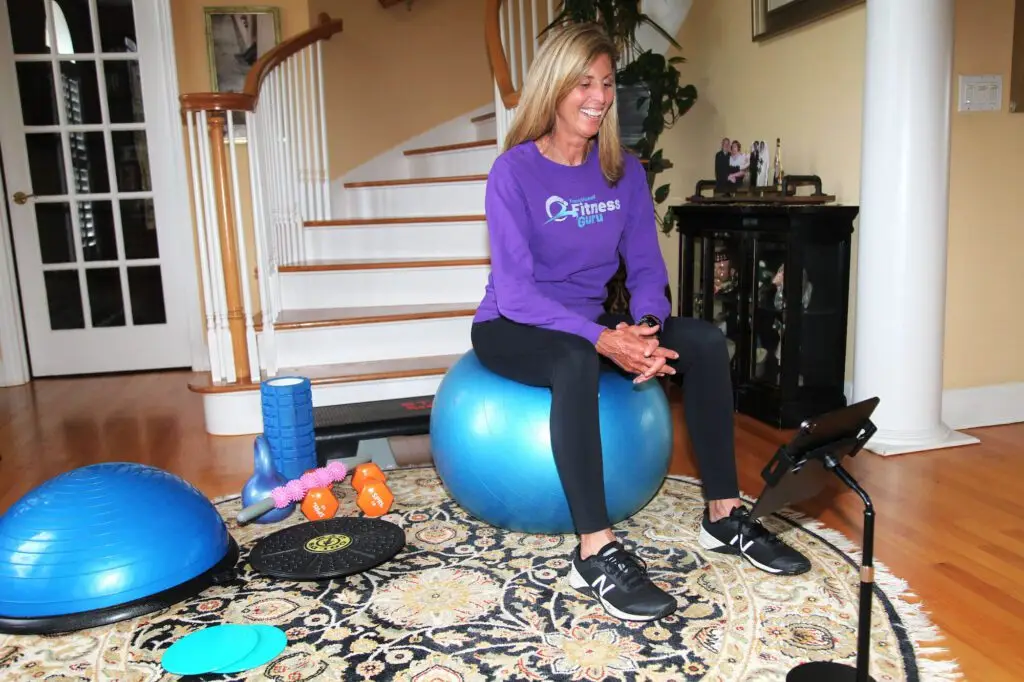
[[581, 112]]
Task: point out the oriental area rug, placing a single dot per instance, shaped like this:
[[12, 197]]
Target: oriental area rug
[[466, 602]]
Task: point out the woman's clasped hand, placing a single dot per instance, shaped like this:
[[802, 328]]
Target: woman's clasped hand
[[635, 349]]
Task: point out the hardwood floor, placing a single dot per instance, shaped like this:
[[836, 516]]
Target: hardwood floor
[[950, 522]]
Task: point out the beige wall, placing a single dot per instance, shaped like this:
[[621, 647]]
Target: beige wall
[[986, 210], [395, 73], [806, 87]]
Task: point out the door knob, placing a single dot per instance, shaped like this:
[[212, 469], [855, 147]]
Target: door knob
[[20, 197]]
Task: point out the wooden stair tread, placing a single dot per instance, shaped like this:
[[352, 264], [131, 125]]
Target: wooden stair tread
[[482, 117], [344, 222], [310, 318], [321, 265], [342, 373], [475, 144], [416, 181], [372, 370]]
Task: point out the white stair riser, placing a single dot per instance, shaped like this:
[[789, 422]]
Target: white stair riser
[[456, 240], [399, 286], [457, 162], [375, 341], [240, 413], [425, 199], [487, 130]]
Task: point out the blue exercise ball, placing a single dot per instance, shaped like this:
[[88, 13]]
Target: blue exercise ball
[[491, 443], [107, 542]]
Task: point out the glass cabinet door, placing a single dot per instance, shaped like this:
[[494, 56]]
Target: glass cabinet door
[[768, 311], [718, 288], [823, 314]]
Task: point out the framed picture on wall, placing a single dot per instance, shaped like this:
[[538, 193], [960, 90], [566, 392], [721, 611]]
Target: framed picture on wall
[[770, 18], [235, 38]]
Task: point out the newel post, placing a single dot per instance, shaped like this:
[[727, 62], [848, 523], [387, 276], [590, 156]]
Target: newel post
[[229, 249]]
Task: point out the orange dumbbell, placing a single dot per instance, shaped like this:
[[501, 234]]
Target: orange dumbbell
[[319, 503], [365, 473], [375, 498]]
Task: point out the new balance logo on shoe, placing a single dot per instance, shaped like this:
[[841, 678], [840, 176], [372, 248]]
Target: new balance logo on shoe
[[738, 539], [737, 534], [620, 583], [601, 586]]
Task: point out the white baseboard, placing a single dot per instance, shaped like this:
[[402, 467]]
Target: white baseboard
[[971, 408], [977, 406]]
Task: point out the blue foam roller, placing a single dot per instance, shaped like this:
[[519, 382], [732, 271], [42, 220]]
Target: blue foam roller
[[491, 444], [106, 542], [287, 404]]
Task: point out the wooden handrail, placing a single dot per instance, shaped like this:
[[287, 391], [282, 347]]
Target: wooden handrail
[[247, 99], [496, 54]]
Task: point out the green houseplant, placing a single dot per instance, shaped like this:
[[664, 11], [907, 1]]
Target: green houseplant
[[649, 95]]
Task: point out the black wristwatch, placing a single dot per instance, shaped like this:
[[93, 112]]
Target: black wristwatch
[[649, 321]]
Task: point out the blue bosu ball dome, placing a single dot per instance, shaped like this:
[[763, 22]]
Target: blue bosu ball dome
[[104, 543]]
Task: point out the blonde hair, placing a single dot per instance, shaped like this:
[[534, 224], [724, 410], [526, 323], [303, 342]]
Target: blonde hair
[[559, 64]]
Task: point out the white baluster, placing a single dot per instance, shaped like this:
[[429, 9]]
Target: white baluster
[[290, 160], [298, 154], [509, 41], [314, 140], [199, 200], [267, 185], [297, 151], [536, 26], [266, 348], [324, 170], [277, 168], [304, 156], [524, 30]]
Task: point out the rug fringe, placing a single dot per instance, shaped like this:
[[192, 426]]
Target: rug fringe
[[933, 662]]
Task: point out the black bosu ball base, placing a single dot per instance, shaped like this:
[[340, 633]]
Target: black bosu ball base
[[220, 573], [799, 470]]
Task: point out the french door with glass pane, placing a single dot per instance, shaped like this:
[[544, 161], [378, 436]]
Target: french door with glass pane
[[94, 265]]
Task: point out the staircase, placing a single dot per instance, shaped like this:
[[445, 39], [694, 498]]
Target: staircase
[[367, 286], [381, 305]]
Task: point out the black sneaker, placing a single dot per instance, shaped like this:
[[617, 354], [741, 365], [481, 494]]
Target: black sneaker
[[735, 534], [619, 581]]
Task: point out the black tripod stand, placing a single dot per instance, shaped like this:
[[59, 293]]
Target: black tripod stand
[[799, 470]]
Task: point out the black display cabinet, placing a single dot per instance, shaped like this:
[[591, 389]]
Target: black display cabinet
[[786, 333]]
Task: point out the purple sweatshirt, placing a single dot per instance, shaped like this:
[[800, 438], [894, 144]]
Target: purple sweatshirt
[[556, 233]]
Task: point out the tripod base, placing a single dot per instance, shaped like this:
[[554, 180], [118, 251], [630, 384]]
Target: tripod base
[[824, 671]]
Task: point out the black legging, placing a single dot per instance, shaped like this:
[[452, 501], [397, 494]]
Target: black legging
[[570, 366]]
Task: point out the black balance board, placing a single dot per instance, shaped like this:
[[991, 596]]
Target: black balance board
[[338, 429]]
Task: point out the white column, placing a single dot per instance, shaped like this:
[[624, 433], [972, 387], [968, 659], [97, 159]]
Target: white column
[[901, 262]]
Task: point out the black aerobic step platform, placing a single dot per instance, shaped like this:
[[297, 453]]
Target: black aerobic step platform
[[358, 432]]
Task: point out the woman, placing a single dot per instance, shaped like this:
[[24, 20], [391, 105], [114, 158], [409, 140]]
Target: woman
[[739, 163], [563, 201]]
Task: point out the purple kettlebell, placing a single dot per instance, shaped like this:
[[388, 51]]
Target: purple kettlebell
[[264, 479]]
